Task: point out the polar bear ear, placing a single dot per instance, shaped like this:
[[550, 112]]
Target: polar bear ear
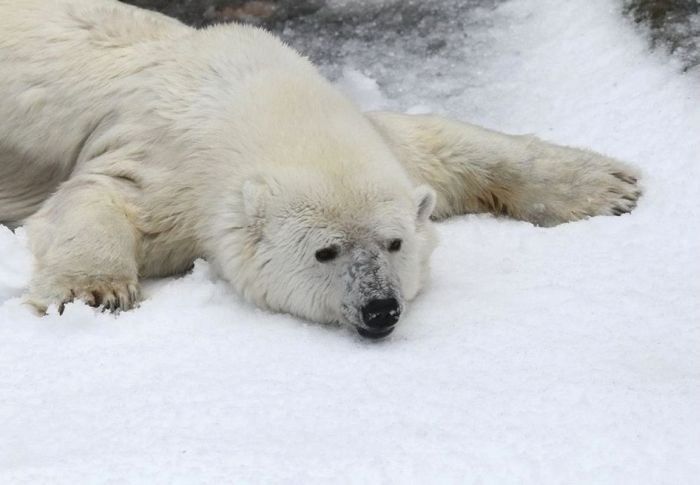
[[254, 197], [425, 199]]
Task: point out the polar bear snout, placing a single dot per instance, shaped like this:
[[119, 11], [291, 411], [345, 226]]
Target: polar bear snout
[[380, 314], [373, 298], [379, 317]]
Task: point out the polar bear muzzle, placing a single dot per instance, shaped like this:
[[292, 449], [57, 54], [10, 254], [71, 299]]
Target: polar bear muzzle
[[373, 299], [379, 317]]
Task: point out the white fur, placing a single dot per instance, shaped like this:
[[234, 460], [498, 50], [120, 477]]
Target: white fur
[[135, 144]]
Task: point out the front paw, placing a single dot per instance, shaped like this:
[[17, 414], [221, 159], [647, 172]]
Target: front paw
[[111, 294], [615, 194], [589, 186]]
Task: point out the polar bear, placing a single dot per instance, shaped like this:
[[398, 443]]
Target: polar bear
[[131, 144]]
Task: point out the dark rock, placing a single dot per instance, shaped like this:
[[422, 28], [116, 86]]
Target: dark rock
[[205, 12], [673, 25]]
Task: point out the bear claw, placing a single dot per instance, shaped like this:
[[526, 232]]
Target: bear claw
[[110, 296]]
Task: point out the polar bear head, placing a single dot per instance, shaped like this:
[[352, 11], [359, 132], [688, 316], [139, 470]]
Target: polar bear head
[[345, 249]]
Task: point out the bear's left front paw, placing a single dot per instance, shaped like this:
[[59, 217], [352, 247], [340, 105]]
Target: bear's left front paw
[[590, 186], [605, 188], [620, 195]]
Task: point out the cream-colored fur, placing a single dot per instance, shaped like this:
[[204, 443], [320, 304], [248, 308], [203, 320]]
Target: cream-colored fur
[[478, 170], [131, 144]]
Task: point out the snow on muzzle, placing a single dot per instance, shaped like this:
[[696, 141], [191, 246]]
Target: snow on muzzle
[[372, 301]]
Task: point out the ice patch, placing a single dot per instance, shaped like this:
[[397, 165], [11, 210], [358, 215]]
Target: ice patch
[[362, 90]]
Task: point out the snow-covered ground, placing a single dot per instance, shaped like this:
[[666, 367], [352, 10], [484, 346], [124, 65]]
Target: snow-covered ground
[[563, 355]]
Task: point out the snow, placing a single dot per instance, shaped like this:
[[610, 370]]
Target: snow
[[562, 355]]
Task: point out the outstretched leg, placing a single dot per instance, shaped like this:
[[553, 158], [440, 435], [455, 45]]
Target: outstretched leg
[[84, 246], [473, 169]]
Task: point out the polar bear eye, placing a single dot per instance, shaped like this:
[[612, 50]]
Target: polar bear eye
[[395, 245], [327, 254]]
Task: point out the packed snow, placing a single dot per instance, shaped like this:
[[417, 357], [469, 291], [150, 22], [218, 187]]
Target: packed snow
[[562, 355]]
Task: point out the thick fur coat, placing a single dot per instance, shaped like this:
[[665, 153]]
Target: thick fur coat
[[131, 144]]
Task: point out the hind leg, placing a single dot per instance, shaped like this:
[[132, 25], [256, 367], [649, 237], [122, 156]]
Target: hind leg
[[85, 247]]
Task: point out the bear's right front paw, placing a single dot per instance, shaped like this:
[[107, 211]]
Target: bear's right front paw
[[110, 294]]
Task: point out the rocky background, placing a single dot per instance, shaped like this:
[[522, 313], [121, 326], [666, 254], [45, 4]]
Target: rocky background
[[205, 12], [673, 25]]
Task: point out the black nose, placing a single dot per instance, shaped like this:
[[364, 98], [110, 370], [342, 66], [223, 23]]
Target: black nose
[[380, 314]]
